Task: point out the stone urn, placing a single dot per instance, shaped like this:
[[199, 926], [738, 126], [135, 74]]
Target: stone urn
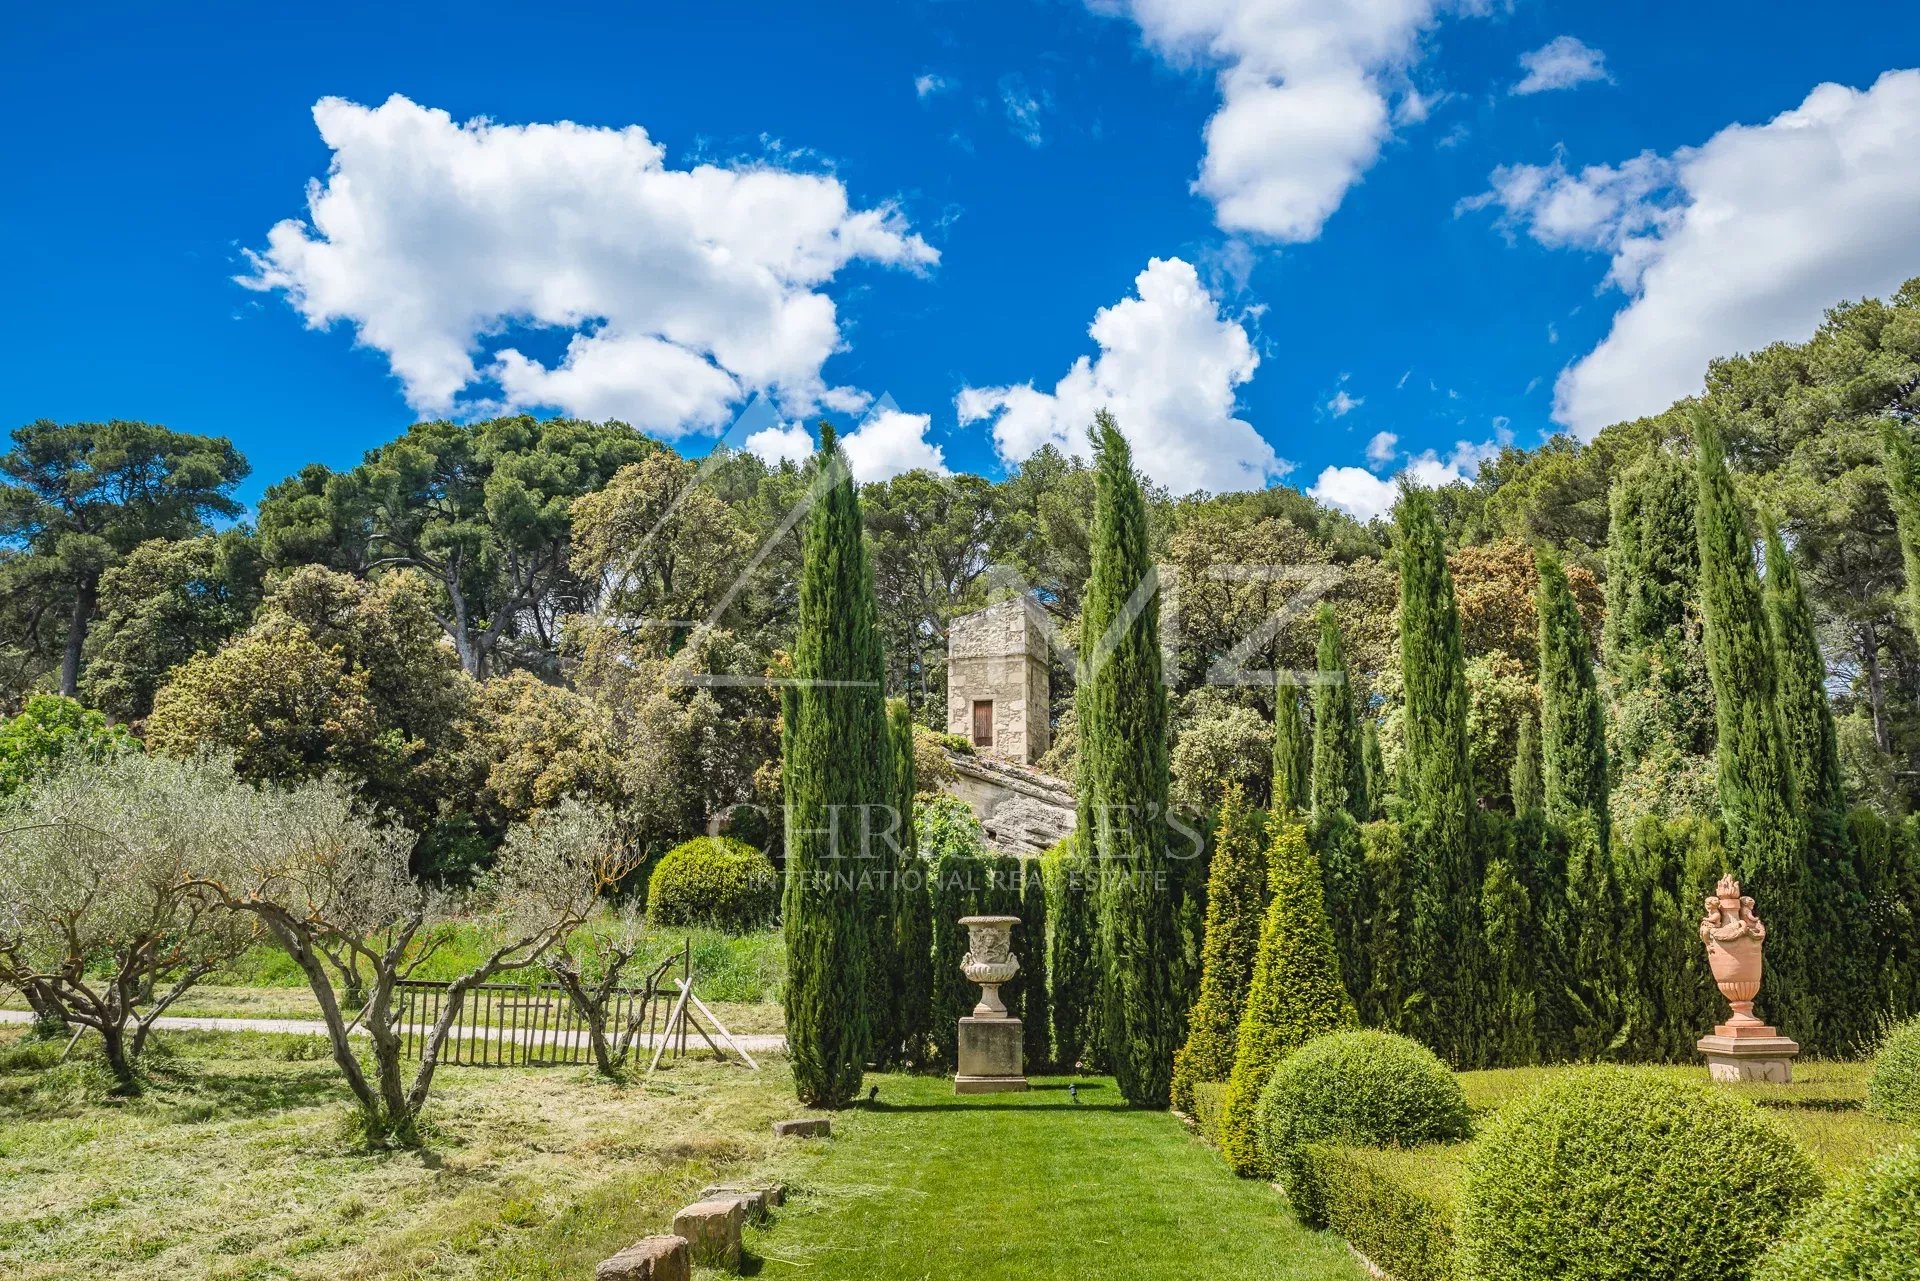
[[1743, 1048], [1735, 938], [990, 960]]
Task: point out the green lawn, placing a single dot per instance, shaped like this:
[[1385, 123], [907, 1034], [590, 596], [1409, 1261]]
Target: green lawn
[[928, 1185]]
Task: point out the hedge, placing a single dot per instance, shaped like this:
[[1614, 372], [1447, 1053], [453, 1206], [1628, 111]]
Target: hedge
[[1397, 1208], [1894, 1089], [1868, 1225], [716, 881]]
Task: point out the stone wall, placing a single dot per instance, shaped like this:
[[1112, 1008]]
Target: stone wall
[[1023, 810], [999, 655]]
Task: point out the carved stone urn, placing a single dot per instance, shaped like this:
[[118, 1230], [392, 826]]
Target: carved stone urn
[[1743, 1048], [990, 960]]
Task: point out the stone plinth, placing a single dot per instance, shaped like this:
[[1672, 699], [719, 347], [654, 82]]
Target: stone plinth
[[806, 1127], [712, 1229], [1748, 1052], [648, 1259], [990, 1057]]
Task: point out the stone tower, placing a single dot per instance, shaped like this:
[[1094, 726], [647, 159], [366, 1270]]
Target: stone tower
[[998, 692]]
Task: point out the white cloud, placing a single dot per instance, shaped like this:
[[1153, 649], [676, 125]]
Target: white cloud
[[1561, 63], [682, 290], [789, 443], [1382, 449], [1168, 368], [1023, 108], [1304, 97], [1343, 404], [927, 84], [1752, 236], [890, 442], [1364, 496]]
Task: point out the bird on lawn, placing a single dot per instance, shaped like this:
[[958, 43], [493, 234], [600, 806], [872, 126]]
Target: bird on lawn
[[873, 1092]]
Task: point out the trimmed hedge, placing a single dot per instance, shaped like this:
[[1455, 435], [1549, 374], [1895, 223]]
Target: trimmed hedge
[[1397, 1208], [716, 881], [1364, 1089], [1894, 1089], [1604, 1173], [1868, 1225]]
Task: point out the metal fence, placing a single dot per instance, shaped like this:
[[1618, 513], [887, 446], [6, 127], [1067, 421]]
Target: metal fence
[[530, 1024]]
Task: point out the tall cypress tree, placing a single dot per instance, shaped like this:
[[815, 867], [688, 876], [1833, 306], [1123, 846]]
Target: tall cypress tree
[[1443, 962], [1292, 749], [1072, 940], [1759, 801], [837, 771], [1339, 782], [1121, 706], [1236, 891], [1573, 730], [1839, 971], [912, 900], [1903, 483], [1375, 768], [1529, 792]]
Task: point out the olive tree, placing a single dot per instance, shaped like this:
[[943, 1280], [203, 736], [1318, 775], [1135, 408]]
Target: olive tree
[[98, 926], [330, 884]]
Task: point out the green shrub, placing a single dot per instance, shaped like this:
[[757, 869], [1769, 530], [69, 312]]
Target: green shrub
[[1894, 1089], [1209, 1105], [1605, 1172], [1395, 1207], [1868, 1225], [1359, 1089], [713, 880]]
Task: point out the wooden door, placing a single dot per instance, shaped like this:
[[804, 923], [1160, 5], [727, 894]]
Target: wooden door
[[983, 722]]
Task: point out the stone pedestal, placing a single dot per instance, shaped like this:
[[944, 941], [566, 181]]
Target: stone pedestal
[[1748, 1052], [990, 1057]]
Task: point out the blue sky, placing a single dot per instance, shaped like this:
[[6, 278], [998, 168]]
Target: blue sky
[[1356, 225]]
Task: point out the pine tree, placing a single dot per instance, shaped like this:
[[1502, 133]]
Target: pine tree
[[912, 902], [1573, 731], [838, 776], [1236, 891], [1292, 749], [1759, 801], [1339, 782], [1294, 996], [1529, 792], [1903, 483], [1121, 706], [1838, 971], [1443, 960]]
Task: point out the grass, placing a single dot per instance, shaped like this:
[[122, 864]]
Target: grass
[[236, 1162], [930, 1185]]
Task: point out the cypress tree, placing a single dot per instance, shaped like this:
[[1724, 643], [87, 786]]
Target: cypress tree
[[1339, 782], [1292, 749], [1236, 891], [888, 865], [837, 770], [1121, 705], [1294, 996], [912, 901], [1375, 769], [1072, 968], [1529, 792], [1573, 730], [1443, 962], [1759, 802], [1036, 1018], [1903, 483], [1508, 914], [1838, 973]]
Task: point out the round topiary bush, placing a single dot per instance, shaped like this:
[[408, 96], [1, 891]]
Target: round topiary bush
[[1894, 1089], [1868, 1225], [1608, 1172], [1357, 1089], [713, 880]]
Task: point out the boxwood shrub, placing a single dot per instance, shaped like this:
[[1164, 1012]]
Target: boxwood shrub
[[1605, 1172], [1357, 1089], [1395, 1207], [1894, 1089], [716, 881], [1867, 1225]]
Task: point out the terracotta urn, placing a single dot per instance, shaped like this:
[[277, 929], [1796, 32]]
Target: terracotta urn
[[1734, 937], [990, 960]]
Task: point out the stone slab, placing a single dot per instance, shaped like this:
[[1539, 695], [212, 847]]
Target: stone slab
[[991, 1056], [1749, 1058], [807, 1127], [755, 1200], [661, 1258], [712, 1229]]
